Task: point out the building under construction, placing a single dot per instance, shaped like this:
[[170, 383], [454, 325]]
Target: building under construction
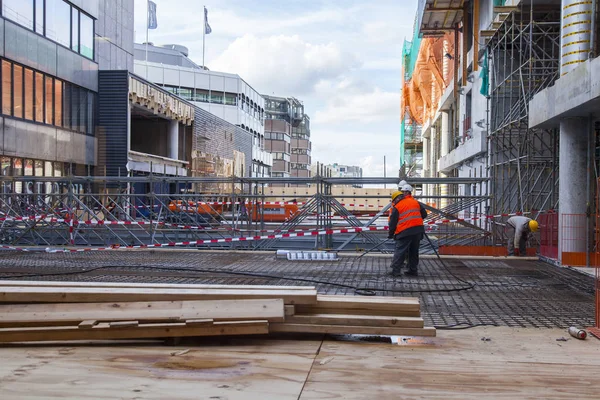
[[489, 87]]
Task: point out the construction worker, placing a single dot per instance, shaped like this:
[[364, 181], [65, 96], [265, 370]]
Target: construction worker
[[521, 227], [406, 228]]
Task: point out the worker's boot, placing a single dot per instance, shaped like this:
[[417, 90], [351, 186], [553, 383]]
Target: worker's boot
[[411, 273], [396, 272]]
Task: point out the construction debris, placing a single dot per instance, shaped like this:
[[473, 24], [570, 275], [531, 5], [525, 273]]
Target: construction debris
[[64, 311]]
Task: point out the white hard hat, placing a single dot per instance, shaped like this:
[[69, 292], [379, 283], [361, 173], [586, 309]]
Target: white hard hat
[[402, 183], [406, 188]]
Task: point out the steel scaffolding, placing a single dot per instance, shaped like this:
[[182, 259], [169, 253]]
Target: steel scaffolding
[[107, 212], [524, 54]]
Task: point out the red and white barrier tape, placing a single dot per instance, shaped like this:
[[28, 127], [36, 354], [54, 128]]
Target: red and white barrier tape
[[222, 240]]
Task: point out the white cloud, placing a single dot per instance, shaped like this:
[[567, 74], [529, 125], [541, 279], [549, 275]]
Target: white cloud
[[286, 65], [364, 106]]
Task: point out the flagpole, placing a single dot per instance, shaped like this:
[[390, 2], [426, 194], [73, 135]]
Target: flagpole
[[147, 17], [203, 37]]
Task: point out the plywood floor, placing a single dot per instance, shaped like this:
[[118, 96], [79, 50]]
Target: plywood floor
[[512, 363]]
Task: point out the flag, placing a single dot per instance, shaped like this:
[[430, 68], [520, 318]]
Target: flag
[[152, 22], [485, 76], [207, 28]]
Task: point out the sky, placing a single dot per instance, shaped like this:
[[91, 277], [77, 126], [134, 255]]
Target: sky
[[342, 59]]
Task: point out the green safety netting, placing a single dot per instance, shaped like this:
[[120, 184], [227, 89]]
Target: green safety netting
[[410, 53]]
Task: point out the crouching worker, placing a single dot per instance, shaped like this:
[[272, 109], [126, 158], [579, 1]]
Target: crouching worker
[[406, 228], [522, 226]]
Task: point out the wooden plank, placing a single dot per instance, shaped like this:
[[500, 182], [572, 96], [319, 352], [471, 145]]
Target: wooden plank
[[123, 324], [89, 324], [22, 315], [147, 285], [369, 303], [96, 295], [289, 310], [198, 322], [303, 310], [147, 331], [356, 320], [347, 329]]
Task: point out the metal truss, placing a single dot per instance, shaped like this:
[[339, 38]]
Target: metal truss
[[525, 54]]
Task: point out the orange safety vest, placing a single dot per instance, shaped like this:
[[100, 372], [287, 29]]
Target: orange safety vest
[[409, 214]]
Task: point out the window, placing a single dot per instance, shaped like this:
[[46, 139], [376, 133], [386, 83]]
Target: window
[[49, 100], [29, 99], [201, 95], [86, 44], [185, 93], [58, 101], [18, 91], [58, 22], [75, 29], [230, 99], [39, 97], [216, 98], [19, 11], [6, 88], [34, 96]]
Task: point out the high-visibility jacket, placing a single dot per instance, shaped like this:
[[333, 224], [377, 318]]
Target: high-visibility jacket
[[407, 218]]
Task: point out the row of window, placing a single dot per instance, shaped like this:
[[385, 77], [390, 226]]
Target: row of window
[[281, 156], [296, 150], [278, 136], [34, 96], [206, 96], [300, 166], [260, 170], [55, 19], [15, 166]]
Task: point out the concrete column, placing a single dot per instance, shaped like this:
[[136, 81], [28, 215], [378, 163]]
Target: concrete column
[[445, 133], [444, 150], [426, 163], [432, 152], [572, 194], [434, 160], [174, 140]]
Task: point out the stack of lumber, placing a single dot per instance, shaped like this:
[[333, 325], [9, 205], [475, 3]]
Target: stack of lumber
[[59, 311]]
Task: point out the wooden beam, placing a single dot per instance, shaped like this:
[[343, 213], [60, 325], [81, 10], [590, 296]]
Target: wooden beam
[[356, 320], [148, 331], [72, 314], [347, 329], [89, 324], [199, 322], [289, 310], [147, 285], [97, 295], [369, 303], [304, 310], [123, 324]]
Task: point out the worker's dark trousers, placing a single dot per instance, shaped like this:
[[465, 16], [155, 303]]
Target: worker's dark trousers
[[410, 245], [522, 244]]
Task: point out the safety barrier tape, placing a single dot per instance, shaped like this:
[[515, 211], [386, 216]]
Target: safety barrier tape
[[185, 226], [222, 240]]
